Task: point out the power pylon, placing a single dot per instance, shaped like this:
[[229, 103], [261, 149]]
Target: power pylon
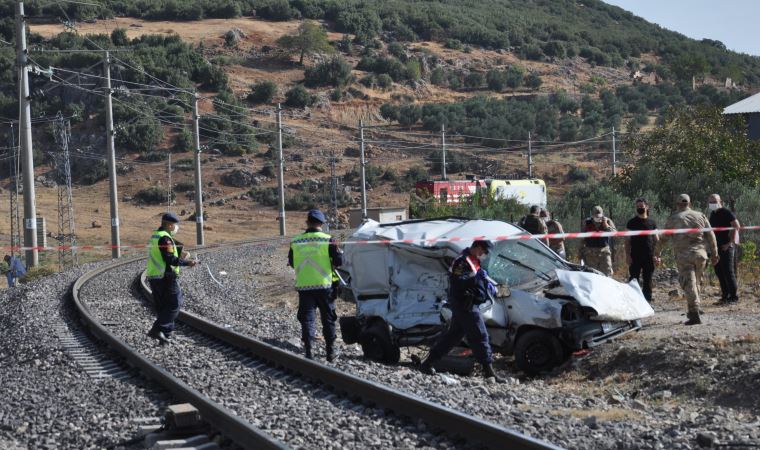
[[67, 254]]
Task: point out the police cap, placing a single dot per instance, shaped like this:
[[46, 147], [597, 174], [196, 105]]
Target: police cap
[[485, 245], [170, 217], [316, 215]]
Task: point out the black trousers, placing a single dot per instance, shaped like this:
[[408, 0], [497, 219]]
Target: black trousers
[[641, 269], [726, 273], [308, 303], [168, 299], [466, 321]]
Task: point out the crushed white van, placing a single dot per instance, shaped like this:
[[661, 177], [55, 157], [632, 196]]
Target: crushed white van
[[545, 309]]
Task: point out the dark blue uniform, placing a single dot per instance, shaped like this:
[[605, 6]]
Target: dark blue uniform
[[322, 299], [167, 294], [468, 288]]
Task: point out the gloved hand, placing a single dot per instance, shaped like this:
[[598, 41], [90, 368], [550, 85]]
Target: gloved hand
[[492, 290], [481, 274]]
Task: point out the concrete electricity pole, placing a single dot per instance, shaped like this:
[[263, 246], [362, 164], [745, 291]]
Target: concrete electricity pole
[[530, 157], [112, 187], [281, 171], [614, 154], [198, 184], [443, 151], [25, 123], [363, 165]]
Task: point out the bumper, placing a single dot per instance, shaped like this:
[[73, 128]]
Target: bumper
[[590, 334]]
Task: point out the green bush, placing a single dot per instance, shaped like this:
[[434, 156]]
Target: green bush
[[454, 44], [384, 81], [298, 97], [183, 141], [474, 80], [154, 195], [153, 157], [184, 186], [334, 71], [263, 92]]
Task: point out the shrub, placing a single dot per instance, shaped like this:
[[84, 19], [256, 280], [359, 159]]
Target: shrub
[[262, 92], [438, 76], [578, 174], [213, 78], [184, 186], [153, 156], [298, 97], [384, 81], [183, 141], [533, 81], [496, 80], [334, 72], [154, 195], [473, 80], [454, 44]]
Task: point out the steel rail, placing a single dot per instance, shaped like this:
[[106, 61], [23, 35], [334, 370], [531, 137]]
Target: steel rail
[[232, 426], [452, 422]]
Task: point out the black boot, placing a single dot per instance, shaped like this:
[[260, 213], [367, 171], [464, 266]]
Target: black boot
[[427, 366], [331, 352], [488, 372], [307, 351], [694, 319]]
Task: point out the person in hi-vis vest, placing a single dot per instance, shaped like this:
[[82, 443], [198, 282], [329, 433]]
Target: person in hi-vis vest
[[314, 255], [165, 257]]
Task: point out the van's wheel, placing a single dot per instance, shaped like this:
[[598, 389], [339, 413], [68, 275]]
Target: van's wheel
[[377, 344], [538, 351]]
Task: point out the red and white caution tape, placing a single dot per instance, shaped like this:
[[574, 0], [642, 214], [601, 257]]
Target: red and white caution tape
[[512, 237], [527, 236]]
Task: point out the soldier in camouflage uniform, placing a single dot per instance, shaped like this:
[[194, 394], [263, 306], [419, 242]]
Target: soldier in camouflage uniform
[[691, 252], [596, 252]]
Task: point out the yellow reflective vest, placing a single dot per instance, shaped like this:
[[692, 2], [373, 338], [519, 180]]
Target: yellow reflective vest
[[311, 260], [156, 264]]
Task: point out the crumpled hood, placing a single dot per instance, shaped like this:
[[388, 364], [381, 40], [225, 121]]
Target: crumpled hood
[[612, 300]]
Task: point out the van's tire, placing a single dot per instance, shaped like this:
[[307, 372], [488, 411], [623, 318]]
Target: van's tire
[[538, 351], [350, 329], [377, 344]]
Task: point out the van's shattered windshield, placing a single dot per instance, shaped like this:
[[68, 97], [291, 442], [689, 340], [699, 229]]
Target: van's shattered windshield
[[522, 263]]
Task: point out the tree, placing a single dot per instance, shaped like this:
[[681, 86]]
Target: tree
[[263, 92], [408, 115], [698, 141], [310, 39], [119, 37], [473, 80]]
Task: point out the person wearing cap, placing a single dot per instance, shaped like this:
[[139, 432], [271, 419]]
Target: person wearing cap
[[314, 255], [533, 223], [165, 257], [596, 251], [690, 251], [468, 288], [16, 270], [553, 226]]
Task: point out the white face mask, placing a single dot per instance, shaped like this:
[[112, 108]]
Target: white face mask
[[713, 206], [175, 230]]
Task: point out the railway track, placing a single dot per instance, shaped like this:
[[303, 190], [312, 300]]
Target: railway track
[[195, 368]]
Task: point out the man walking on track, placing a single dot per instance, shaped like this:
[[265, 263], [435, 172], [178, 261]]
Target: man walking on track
[[165, 257]]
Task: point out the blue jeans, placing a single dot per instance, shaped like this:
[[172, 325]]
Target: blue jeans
[[465, 321], [308, 303], [11, 279], [168, 299]]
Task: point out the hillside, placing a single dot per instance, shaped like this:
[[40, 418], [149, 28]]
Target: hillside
[[558, 72]]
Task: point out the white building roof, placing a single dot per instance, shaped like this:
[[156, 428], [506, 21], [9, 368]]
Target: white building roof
[[746, 106]]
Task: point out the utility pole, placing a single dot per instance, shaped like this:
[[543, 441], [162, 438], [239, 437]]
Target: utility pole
[[281, 171], [614, 154], [25, 123], [443, 151], [112, 188], [13, 191], [530, 157], [198, 184], [363, 164], [333, 192], [169, 189]]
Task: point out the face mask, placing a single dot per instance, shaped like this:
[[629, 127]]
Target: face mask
[[712, 206], [175, 230], [598, 219], [641, 210]]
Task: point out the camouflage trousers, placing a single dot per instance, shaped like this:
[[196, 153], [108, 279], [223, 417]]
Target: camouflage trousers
[[598, 258], [691, 268]]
